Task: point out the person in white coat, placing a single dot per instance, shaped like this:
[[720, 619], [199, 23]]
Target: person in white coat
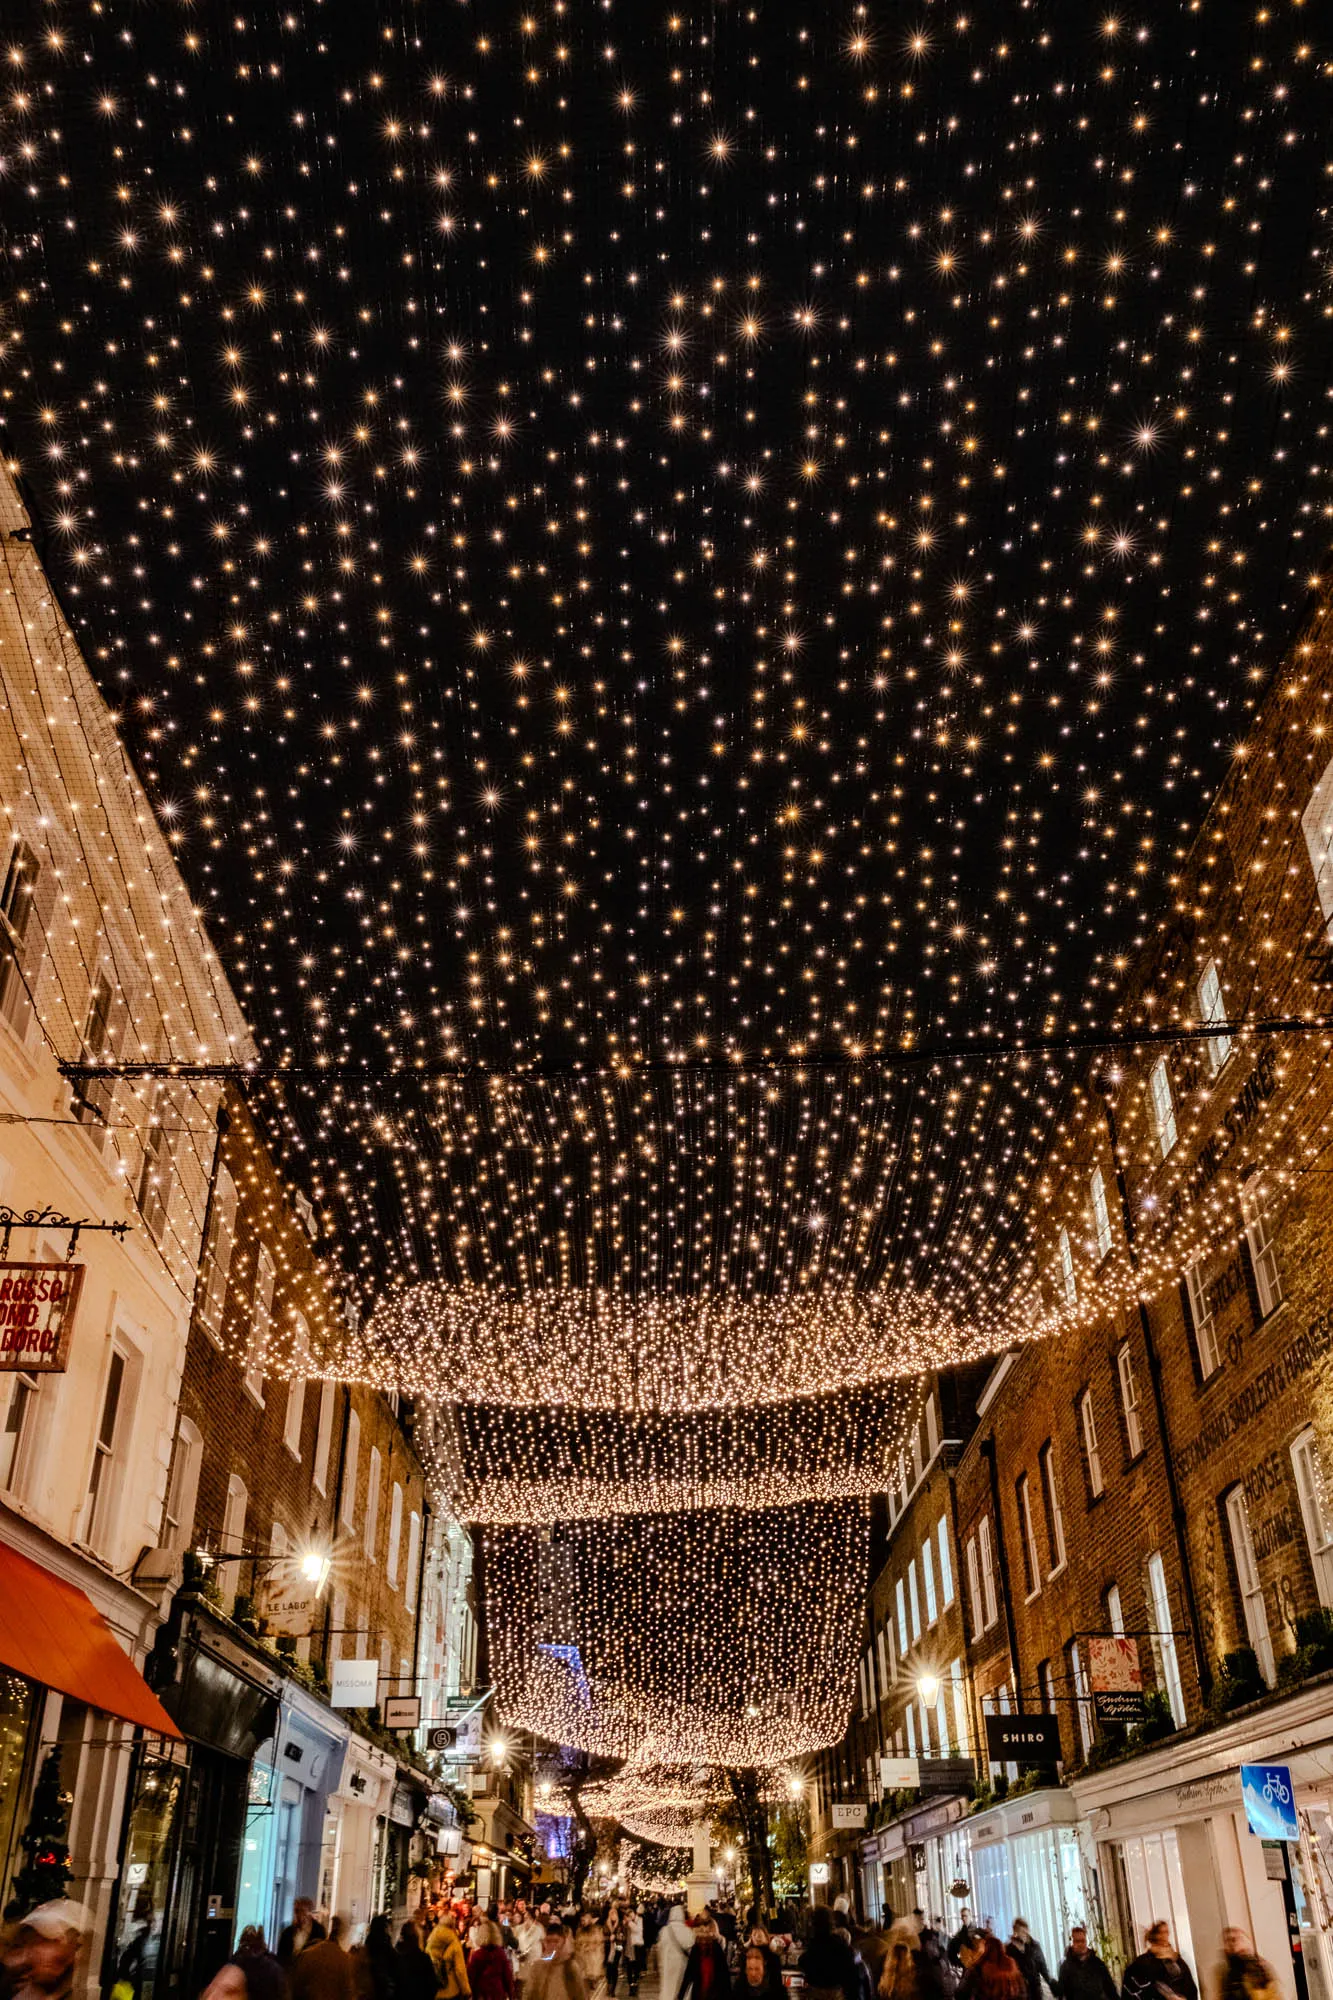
[[675, 1941]]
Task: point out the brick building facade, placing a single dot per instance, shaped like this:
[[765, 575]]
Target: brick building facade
[[1157, 1470]]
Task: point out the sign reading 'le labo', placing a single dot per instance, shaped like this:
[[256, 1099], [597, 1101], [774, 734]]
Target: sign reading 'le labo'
[[37, 1304]]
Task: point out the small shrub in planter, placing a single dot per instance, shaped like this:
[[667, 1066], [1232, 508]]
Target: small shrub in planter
[[1157, 1724], [1238, 1682], [1314, 1632]]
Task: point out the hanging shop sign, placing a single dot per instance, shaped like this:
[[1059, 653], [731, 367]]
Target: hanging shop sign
[[285, 1601], [356, 1684], [1023, 1739], [1116, 1679], [402, 1711], [899, 1774], [37, 1306], [848, 1816]]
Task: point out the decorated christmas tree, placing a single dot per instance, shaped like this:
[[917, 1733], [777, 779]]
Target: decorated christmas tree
[[46, 1868]]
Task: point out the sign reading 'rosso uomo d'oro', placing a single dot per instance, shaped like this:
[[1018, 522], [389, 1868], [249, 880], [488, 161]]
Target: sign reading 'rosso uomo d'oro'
[[37, 1305]]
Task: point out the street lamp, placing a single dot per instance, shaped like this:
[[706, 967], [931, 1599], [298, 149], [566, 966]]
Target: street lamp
[[315, 1567], [795, 1786], [928, 1687]]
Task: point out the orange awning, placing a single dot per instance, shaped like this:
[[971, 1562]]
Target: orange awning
[[51, 1632]]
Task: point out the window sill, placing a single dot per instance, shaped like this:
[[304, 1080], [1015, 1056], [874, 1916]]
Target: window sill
[[256, 1395], [1095, 1498], [1033, 1594], [1059, 1569], [292, 1451]]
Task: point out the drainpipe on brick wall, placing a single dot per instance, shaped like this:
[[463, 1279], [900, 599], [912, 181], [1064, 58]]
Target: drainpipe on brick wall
[[421, 1592], [1203, 1671], [334, 1526], [1002, 1559]]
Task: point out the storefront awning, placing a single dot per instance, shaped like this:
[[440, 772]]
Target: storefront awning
[[51, 1632]]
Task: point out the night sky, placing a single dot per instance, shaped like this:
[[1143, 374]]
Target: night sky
[[624, 543]]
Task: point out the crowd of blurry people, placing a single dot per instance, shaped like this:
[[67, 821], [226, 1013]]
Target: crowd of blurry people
[[455, 1949]]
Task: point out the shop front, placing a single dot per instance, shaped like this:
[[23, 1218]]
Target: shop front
[[70, 1634], [1027, 1861], [287, 1851], [920, 1862], [224, 1699], [1171, 1840], [357, 1816], [400, 1890]]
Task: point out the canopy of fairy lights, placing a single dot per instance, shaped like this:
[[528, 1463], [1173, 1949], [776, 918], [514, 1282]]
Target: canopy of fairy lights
[[663, 1803], [718, 1636], [679, 586]]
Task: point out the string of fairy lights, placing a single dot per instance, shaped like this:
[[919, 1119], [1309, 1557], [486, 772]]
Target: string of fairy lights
[[663, 562]]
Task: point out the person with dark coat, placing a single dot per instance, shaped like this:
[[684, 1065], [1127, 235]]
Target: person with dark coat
[[413, 1973], [1084, 1976], [707, 1975], [1243, 1975], [828, 1963], [324, 1971], [1159, 1972], [759, 1976], [372, 1961], [304, 1930], [1030, 1959]]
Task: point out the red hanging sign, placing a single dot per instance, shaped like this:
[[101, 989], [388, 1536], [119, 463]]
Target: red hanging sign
[[37, 1303]]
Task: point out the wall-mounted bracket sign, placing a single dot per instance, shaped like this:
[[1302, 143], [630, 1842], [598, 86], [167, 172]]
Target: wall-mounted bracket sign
[[37, 1306]]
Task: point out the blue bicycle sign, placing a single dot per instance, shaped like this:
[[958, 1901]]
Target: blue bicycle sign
[[1270, 1801]]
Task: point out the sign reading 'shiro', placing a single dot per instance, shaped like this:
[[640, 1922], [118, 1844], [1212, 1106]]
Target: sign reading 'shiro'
[[37, 1303]]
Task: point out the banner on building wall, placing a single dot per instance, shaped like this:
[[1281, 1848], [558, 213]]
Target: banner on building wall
[[37, 1307], [285, 1601], [1115, 1679]]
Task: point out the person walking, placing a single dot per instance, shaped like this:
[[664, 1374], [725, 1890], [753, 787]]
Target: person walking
[[530, 1942], [40, 1958], [828, 1963], [324, 1971], [1030, 1959], [1159, 1972], [590, 1952], [675, 1942], [413, 1972], [634, 1950], [759, 1976], [899, 1974], [372, 1962], [490, 1974], [994, 1976], [445, 1948], [707, 1975], [1083, 1975], [304, 1929], [1242, 1974], [556, 1975], [251, 1973]]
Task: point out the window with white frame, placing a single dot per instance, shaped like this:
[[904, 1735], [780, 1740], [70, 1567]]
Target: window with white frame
[[1317, 826], [295, 1412], [1101, 1212], [987, 1556], [93, 1096], [18, 949], [319, 1472], [1115, 1616], [1055, 1520], [218, 1253], [1256, 1215], [106, 1474], [413, 1560], [1316, 1511], [1163, 1106], [232, 1539], [1129, 1399], [154, 1193], [279, 1541], [1203, 1321], [351, 1453], [1253, 1608], [913, 1599], [1213, 1014], [1092, 1457], [928, 1581], [961, 1732], [183, 1486], [1164, 1640], [900, 1600], [19, 1434], [1068, 1281], [395, 1535], [974, 1587], [372, 1522], [946, 1563], [261, 1320], [911, 1729], [1027, 1535], [1078, 1675]]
